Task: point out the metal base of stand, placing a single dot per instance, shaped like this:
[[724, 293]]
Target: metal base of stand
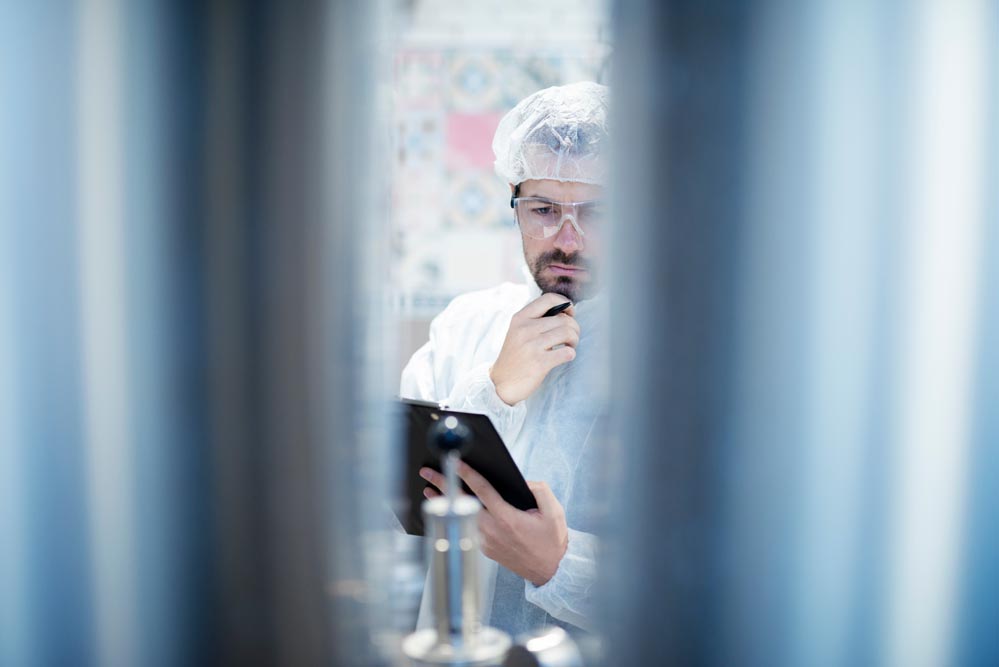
[[489, 648], [547, 648]]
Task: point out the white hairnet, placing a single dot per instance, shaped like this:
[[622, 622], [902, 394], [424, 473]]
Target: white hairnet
[[558, 133]]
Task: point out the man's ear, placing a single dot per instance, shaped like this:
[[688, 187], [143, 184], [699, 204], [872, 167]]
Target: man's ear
[[512, 188]]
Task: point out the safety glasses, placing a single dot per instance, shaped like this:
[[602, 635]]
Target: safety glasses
[[541, 218]]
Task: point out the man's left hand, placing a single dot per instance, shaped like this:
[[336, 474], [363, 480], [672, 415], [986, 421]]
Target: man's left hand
[[530, 543]]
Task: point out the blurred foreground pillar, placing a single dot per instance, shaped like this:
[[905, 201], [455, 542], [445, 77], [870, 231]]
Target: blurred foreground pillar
[[805, 302]]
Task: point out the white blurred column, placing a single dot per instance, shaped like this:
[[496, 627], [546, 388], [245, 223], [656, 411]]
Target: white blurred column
[[103, 282], [849, 50], [946, 197]]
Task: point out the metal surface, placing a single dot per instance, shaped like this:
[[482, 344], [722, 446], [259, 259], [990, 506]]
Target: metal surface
[[452, 541], [457, 636], [452, 545], [489, 648], [549, 648]]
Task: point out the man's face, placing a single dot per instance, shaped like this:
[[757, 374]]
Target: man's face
[[565, 263]]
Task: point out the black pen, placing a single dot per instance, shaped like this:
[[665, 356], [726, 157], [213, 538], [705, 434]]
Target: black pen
[[557, 309]]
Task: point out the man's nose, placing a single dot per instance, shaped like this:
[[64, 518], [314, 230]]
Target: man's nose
[[568, 239]]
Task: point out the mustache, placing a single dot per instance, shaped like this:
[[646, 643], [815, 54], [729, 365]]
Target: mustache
[[559, 257]]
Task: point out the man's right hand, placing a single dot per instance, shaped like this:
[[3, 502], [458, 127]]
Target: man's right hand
[[527, 355]]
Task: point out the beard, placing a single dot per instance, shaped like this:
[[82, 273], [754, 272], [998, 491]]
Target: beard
[[571, 288]]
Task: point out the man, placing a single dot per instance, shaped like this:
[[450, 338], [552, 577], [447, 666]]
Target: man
[[538, 378]]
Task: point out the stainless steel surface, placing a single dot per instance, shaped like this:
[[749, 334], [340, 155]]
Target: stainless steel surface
[[488, 649], [451, 474], [548, 648], [452, 550], [452, 542], [457, 636]]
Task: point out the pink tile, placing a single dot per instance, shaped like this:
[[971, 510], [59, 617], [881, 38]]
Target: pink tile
[[469, 140]]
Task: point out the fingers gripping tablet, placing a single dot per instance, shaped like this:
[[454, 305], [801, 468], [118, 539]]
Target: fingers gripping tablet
[[487, 455]]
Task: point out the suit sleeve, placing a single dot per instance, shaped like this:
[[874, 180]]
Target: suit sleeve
[[569, 595]]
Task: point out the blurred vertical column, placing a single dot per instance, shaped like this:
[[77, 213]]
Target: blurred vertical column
[[44, 562], [291, 317], [360, 336], [159, 125], [261, 120], [106, 396], [679, 86], [977, 642], [820, 228], [803, 333], [183, 333], [946, 193]]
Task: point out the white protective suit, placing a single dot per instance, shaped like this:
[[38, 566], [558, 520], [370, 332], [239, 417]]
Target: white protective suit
[[552, 436]]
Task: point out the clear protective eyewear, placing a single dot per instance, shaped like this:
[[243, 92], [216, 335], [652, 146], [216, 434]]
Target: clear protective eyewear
[[541, 218]]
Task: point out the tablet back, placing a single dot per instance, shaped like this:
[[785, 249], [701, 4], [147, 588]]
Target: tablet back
[[487, 455]]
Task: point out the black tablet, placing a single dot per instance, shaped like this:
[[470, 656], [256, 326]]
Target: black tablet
[[487, 455]]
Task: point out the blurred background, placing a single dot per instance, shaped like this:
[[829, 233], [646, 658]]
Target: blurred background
[[224, 226]]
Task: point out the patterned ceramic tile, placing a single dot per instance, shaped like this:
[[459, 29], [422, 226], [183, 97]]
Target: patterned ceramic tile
[[420, 139], [475, 199], [420, 79], [474, 82]]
